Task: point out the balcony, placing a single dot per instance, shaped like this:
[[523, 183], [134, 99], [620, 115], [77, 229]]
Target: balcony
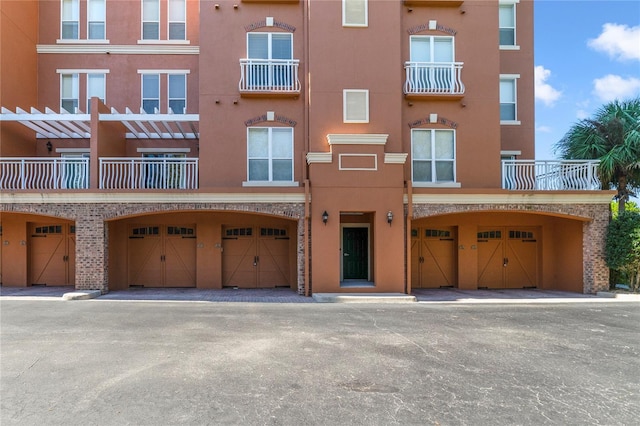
[[148, 173], [269, 76], [44, 173], [433, 79], [565, 175]]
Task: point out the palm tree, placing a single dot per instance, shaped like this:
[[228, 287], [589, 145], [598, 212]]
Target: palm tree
[[612, 136]]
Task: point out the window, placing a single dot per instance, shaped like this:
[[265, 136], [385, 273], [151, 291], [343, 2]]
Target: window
[[508, 99], [70, 20], [177, 20], [270, 45], [177, 93], [69, 93], [507, 23], [95, 88], [270, 154], [433, 155], [151, 19], [96, 14], [164, 171], [354, 13], [150, 93], [269, 65], [432, 58], [355, 106]]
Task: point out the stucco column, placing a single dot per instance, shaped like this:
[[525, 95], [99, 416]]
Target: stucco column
[[596, 272], [91, 251], [301, 253]]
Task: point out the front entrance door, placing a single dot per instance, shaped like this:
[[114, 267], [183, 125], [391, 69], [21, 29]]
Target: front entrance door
[[355, 253], [255, 257], [52, 254], [162, 256], [507, 257], [433, 257]]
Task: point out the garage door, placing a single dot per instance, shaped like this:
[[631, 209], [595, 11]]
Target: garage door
[[433, 257], [508, 257], [52, 254], [162, 256], [255, 257]]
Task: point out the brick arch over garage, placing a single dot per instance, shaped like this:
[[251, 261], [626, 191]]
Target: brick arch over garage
[[591, 219]]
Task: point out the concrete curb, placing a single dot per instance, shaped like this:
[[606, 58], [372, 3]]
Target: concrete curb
[[363, 298], [81, 295], [620, 296]]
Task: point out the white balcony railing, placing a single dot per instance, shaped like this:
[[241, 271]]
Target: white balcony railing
[[148, 173], [564, 175], [269, 75], [433, 78], [44, 173]]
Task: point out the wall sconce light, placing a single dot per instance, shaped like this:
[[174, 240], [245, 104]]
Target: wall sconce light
[[389, 217], [325, 217], [217, 6], [49, 146]]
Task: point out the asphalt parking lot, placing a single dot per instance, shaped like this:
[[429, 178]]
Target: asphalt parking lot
[[127, 362]]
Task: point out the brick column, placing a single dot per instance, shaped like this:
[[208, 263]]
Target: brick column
[[300, 257], [91, 250], [596, 272]]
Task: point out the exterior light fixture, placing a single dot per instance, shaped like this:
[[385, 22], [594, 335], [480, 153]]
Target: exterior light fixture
[[49, 146], [389, 217], [325, 217]]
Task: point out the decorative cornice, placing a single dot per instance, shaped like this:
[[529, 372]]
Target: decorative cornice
[[542, 197], [147, 197], [319, 157], [151, 49], [357, 139], [395, 158]]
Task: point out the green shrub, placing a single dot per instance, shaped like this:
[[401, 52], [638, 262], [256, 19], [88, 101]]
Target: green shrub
[[622, 249]]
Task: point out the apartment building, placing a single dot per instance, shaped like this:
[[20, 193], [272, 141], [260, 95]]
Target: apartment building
[[323, 146]]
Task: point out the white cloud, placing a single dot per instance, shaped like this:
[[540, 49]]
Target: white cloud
[[582, 114], [620, 42], [612, 87], [543, 90], [543, 129]]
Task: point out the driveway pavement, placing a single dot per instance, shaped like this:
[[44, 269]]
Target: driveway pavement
[[154, 362]]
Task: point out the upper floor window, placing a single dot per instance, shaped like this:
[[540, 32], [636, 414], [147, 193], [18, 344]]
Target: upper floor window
[[269, 45], [69, 92], [433, 156], [508, 99], [151, 93], [95, 88], [270, 154], [355, 13], [175, 91], [96, 18], [507, 23], [355, 108], [175, 19], [70, 20]]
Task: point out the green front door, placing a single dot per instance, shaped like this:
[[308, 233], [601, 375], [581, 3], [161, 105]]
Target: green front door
[[355, 253]]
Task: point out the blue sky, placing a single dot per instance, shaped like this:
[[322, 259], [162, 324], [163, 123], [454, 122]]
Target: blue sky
[[587, 53]]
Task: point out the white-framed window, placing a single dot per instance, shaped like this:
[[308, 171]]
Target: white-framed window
[[270, 154], [151, 93], [177, 93], [269, 45], [509, 99], [96, 19], [69, 92], [96, 87], [507, 23], [355, 13], [150, 19], [355, 105], [433, 156], [432, 57], [177, 20], [70, 22]]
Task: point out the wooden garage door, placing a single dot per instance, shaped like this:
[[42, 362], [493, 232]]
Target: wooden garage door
[[508, 257], [255, 257], [433, 257], [52, 254], [162, 256]]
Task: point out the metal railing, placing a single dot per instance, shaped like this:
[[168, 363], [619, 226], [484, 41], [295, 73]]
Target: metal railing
[[556, 175], [148, 173], [269, 75], [433, 78], [44, 173]]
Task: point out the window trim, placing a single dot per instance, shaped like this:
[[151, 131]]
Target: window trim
[[435, 184], [269, 42], [514, 79], [512, 4], [76, 8], [170, 21], [344, 105], [353, 25], [75, 78], [270, 159], [142, 21], [142, 98], [169, 98], [104, 22], [432, 39]]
